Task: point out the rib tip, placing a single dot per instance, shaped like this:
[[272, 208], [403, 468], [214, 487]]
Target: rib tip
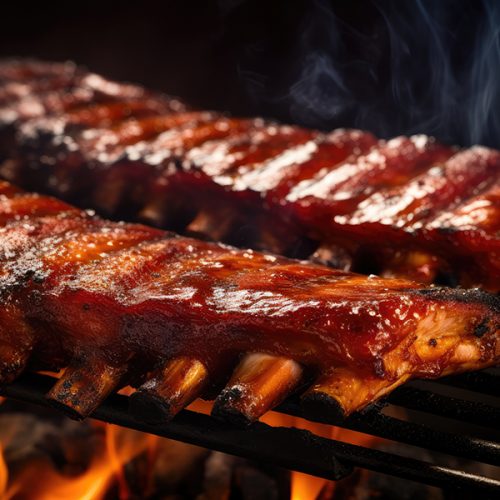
[[81, 389], [149, 408], [229, 396], [322, 407], [226, 408], [64, 408], [230, 415]]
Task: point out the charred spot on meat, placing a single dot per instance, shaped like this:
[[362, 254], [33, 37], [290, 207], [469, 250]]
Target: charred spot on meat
[[406, 207], [124, 303]]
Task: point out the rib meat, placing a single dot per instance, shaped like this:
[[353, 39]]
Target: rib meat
[[406, 207], [118, 303]]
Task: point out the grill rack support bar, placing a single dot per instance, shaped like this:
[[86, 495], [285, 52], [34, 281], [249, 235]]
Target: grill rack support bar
[[377, 424], [295, 449]]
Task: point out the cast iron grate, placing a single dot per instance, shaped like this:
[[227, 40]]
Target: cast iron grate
[[470, 421]]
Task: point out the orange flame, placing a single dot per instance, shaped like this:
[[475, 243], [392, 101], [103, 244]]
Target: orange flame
[[135, 443], [119, 446], [41, 481], [3, 474], [304, 486]]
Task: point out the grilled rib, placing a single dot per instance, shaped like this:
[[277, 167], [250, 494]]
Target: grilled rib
[[116, 303], [406, 207]]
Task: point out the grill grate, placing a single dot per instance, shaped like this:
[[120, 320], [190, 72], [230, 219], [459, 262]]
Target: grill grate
[[303, 451]]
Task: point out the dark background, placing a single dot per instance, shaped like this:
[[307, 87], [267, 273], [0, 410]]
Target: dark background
[[388, 66]]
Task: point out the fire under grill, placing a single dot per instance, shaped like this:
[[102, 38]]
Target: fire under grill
[[455, 419]]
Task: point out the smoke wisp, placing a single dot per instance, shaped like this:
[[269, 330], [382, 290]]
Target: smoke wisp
[[392, 67]]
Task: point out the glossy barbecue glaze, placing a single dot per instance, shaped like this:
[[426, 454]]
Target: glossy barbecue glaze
[[113, 300], [376, 206]]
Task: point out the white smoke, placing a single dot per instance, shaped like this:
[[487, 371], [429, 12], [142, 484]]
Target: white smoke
[[421, 66]]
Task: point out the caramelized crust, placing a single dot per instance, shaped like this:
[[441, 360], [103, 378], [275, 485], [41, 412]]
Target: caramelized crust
[[405, 207], [112, 300]]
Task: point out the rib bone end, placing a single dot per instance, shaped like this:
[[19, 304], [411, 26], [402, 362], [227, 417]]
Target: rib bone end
[[169, 390], [322, 407], [259, 383], [342, 391], [84, 386]]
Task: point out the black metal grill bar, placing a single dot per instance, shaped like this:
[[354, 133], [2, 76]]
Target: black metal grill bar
[[446, 406], [374, 423], [291, 448], [484, 382]]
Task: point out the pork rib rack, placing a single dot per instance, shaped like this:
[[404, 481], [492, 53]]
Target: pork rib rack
[[407, 207], [117, 303]]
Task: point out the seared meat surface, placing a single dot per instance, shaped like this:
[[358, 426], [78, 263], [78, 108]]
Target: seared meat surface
[[405, 207], [118, 303]]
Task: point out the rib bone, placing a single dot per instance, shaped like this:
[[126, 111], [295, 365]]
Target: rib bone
[[342, 391], [259, 383], [171, 388], [84, 386]]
